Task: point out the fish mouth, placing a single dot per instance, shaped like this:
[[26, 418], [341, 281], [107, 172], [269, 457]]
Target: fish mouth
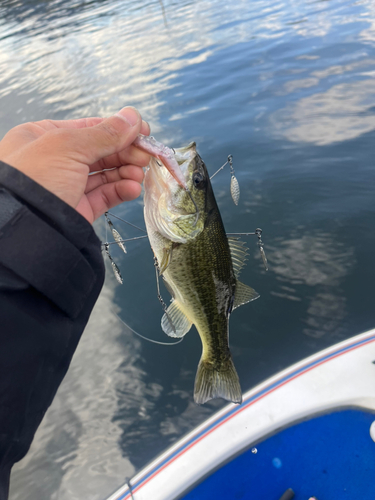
[[160, 180]]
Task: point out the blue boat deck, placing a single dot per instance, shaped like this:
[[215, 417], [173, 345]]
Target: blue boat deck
[[331, 457]]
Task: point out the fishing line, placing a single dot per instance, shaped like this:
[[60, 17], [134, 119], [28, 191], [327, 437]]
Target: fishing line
[[164, 18], [129, 487], [145, 338], [119, 278]]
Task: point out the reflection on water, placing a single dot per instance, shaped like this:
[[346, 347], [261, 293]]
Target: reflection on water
[[320, 263], [343, 112], [287, 88], [313, 260]]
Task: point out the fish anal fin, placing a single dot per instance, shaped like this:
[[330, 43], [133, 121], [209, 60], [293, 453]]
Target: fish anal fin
[[174, 322], [239, 253], [211, 383], [244, 294]]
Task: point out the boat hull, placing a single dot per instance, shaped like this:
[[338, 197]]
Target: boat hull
[[340, 377]]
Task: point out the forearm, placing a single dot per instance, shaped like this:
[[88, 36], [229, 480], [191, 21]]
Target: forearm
[[51, 273]]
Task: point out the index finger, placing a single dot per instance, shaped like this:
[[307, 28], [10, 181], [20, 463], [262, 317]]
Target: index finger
[[71, 124], [81, 123]]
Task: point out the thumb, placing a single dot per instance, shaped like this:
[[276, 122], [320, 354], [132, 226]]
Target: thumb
[[110, 136]]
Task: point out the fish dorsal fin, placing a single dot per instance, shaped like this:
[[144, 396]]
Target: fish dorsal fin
[[174, 322], [244, 294], [239, 253]]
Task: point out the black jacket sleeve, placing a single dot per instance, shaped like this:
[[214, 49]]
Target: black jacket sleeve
[[51, 273]]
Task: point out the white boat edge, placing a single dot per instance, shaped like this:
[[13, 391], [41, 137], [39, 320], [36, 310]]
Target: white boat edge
[[340, 376]]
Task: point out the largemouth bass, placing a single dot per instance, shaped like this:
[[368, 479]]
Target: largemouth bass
[[200, 267]]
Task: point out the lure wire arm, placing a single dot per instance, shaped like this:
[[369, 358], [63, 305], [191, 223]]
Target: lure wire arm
[[221, 168], [124, 241], [163, 304], [126, 222], [258, 232], [230, 161]]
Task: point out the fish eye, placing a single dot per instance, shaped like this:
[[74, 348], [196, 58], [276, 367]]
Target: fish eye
[[198, 180]]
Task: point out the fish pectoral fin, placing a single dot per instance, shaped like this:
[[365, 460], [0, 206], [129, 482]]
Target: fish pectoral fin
[[166, 259], [212, 382], [238, 251], [174, 322], [243, 295]]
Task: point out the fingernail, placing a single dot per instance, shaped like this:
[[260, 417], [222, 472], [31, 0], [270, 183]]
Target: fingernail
[[130, 115], [149, 128]]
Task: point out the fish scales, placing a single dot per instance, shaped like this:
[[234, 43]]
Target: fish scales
[[198, 285], [188, 239]]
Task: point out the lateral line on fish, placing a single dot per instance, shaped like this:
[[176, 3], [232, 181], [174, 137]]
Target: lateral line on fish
[[143, 337]]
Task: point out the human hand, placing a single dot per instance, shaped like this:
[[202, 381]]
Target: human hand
[[59, 155]]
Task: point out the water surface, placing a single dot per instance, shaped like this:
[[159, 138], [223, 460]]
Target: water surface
[[288, 88]]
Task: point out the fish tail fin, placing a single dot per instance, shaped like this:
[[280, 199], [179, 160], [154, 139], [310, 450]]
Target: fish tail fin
[[212, 382]]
